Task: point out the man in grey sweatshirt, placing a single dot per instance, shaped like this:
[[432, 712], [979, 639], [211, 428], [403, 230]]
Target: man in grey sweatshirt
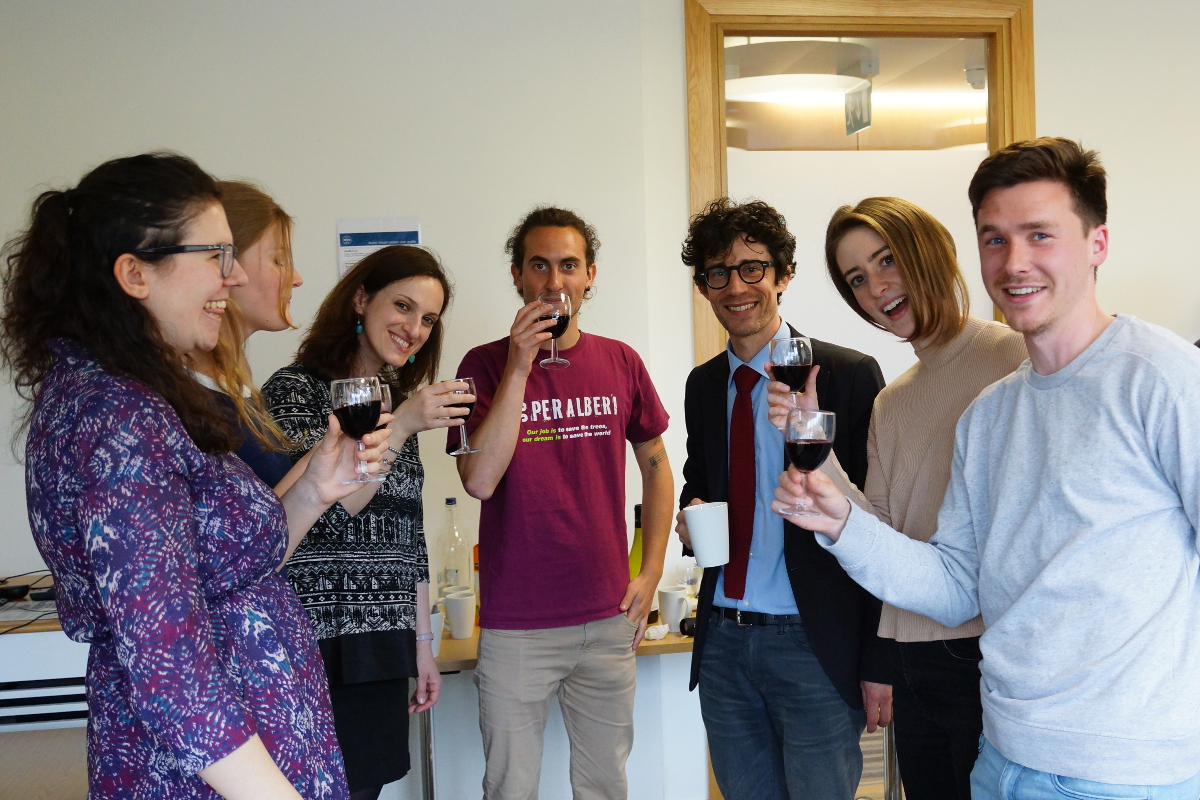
[[1071, 517]]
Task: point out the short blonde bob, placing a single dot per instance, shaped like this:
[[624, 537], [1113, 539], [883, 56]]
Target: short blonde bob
[[923, 252]]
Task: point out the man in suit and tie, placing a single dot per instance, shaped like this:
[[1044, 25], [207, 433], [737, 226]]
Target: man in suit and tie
[[789, 667]]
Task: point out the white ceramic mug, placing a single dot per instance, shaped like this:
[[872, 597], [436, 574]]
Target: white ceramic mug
[[708, 527], [449, 590], [672, 606], [460, 613], [437, 621]]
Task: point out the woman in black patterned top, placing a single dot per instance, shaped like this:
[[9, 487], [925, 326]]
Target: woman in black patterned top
[[362, 572]]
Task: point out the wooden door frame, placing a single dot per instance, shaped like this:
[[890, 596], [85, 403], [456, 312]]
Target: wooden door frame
[[1007, 25]]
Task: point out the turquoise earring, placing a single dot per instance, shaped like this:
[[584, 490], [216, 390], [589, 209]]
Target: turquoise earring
[[411, 359], [358, 326]]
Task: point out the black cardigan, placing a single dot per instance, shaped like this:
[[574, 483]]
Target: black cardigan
[[840, 617]]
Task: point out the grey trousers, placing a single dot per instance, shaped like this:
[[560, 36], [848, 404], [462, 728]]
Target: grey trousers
[[591, 668]]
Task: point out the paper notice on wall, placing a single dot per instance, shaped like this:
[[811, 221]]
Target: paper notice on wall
[[362, 236]]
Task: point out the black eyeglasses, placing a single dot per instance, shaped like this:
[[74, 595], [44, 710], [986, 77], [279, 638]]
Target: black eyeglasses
[[749, 271], [228, 253]]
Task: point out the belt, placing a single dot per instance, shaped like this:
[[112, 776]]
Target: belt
[[757, 618]]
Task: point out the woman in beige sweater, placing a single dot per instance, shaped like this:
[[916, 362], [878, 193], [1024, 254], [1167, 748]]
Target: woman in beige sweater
[[896, 266]]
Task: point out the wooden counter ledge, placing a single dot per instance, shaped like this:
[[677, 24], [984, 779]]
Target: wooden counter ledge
[[457, 655]]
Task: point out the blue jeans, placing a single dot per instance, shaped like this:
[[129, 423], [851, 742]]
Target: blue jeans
[[997, 778], [777, 727]]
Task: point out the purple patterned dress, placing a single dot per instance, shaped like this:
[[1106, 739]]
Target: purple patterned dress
[[164, 559]]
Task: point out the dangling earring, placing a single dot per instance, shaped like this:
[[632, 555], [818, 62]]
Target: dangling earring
[[411, 359], [358, 326]]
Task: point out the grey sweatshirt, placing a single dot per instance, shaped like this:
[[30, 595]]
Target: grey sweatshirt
[[1070, 524]]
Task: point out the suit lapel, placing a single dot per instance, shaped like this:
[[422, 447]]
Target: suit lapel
[[716, 433]]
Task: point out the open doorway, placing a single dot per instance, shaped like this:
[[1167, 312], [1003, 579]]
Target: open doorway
[[814, 123], [1003, 29]]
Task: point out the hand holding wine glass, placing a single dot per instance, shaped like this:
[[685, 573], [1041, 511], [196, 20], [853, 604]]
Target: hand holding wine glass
[[357, 404], [820, 493], [781, 398], [560, 313], [808, 438]]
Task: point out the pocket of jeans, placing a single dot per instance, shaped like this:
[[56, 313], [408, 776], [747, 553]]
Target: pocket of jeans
[[963, 649], [1091, 790]]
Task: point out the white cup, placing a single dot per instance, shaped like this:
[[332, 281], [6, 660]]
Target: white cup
[[449, 590], [708, 527], [673, 606], [460, 613], [437, 621]]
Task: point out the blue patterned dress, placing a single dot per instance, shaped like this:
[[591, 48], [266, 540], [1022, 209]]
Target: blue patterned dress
[[164, 559]]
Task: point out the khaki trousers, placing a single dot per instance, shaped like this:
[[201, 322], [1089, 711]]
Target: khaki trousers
[[591, 668]]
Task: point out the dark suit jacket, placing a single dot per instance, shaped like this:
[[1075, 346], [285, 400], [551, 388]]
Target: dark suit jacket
[[840, 617]]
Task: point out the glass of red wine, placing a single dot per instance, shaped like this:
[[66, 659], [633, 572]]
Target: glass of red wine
[[357, 402], [560, 312], [807, 439], [465, 446], [791, 361]]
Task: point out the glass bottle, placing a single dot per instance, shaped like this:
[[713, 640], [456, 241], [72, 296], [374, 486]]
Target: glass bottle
[[455, 554]]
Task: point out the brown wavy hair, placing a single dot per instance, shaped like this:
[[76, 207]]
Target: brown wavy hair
[[251, 213], [331, 344], [59, 283], [924, 255], [1049, 158]]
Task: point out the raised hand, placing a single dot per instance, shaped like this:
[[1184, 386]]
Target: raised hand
[[781, 399], [526, 336], [432, 406], [796, 487]]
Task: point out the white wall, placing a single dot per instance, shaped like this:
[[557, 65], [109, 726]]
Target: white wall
[[465, 114], [1116, 76], [807, 187]]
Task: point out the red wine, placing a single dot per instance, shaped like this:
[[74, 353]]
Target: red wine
[[793, 376], [359, 419], [470, 407], [807, 456], [560, 325]]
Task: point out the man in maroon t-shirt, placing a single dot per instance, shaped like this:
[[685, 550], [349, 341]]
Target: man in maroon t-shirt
[[558, 611]]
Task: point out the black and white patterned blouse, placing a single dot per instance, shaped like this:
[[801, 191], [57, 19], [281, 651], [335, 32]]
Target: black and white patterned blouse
[[354, 574]]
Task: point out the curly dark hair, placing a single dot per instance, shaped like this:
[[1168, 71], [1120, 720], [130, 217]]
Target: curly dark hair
[[713, 231], [331, 345], [1049, 158], [550, 217], [59, 283]]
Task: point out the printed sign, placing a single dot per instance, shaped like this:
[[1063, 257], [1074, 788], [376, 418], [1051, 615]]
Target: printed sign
[[360, 237]]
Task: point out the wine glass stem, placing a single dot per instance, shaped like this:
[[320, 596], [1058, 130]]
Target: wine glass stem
[[554, 349], [462, 436], [361, 466]]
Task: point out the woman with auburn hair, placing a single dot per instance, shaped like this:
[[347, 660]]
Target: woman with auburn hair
[[204, 678], [362, 572], [896, 267], [262, 234]]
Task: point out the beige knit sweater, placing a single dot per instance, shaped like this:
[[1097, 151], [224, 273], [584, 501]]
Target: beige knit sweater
[[911, 446]]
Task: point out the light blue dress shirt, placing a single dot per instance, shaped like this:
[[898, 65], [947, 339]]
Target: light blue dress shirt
[[768, 589]]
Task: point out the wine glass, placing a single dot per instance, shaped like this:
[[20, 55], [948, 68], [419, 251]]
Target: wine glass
[[791, 361], [356, 403], [807, 438], [560, 311], [465, 446]]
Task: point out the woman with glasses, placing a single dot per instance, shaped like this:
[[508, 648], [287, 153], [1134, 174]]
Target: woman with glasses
[[896, 267], [204, 678], [362, 572]]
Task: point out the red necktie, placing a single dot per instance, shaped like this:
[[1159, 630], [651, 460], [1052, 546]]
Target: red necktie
[[742, 483]]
